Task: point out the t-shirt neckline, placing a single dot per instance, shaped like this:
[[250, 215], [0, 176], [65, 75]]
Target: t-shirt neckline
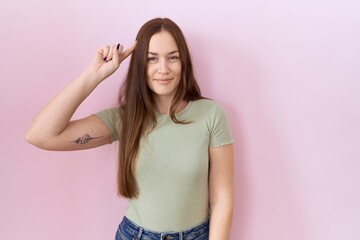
[[176, 114]]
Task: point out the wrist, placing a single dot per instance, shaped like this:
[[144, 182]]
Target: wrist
[[91, 76]]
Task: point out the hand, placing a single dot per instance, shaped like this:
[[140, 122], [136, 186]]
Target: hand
[[108, 58]]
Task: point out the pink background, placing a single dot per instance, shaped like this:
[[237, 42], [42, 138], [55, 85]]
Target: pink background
[[287, 73]]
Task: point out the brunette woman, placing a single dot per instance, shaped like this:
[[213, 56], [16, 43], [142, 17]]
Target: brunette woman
[[175, 161]]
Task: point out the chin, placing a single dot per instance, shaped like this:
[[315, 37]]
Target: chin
[[164, 94]]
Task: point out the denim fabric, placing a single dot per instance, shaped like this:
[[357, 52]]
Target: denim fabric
[[130, 231]]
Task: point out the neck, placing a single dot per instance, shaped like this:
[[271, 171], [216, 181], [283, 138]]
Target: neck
[[163, 105]]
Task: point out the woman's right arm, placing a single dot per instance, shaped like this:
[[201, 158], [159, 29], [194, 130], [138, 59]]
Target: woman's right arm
[[52, 129]]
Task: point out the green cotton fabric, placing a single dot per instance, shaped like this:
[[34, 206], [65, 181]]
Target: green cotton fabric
[[172, 166]]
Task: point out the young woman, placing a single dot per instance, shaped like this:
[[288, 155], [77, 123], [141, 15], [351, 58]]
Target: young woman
[[175, 163]]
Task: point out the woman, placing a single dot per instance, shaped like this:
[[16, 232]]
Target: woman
[[175, 151]]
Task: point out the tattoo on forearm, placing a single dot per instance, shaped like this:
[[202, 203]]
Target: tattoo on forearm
[[84, 139]]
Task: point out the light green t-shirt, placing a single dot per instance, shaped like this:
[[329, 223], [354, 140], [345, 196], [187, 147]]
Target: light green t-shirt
[[172, 166]]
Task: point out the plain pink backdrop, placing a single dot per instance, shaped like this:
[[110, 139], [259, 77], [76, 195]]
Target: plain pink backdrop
[[287, 73]]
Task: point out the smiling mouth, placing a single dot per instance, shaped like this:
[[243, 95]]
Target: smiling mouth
[[163, 81]]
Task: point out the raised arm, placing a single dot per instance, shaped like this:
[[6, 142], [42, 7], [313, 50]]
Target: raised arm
[[52, 129]]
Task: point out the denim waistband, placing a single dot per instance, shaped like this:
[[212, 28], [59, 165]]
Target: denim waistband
[[129, 228]]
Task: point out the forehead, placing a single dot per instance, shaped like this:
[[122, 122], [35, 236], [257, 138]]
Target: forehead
[[162, 42]]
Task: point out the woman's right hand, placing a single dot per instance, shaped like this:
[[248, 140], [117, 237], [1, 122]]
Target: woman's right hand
[[108, 58], [52, 129]]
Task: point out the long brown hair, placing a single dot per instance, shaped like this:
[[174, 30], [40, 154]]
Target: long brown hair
[[137, 107]]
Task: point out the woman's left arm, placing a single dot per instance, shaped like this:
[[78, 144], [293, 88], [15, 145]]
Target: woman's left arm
[[221, 191]]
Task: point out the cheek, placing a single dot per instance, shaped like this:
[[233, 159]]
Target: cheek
[[148, 81], [177, 69], [150, 71]]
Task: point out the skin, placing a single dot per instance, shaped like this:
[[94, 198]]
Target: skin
[[164, 70], [221, 191], [52, 128]]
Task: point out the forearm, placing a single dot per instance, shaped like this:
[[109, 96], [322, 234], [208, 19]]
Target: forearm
[[55, 116], [221, 214]]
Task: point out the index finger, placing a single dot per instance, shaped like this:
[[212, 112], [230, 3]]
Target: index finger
[[127, 52]]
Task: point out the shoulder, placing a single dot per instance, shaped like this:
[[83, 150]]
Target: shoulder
[[206, 110], [110, 117], [109, 113], [207, 106]]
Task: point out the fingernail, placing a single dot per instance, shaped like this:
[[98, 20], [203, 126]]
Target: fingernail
[[118, 46]]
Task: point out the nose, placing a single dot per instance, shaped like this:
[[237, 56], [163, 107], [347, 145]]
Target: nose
[[163, 67]]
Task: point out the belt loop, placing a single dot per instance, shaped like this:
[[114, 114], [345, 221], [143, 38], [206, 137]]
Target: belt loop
[[180, 235], [138, 237]]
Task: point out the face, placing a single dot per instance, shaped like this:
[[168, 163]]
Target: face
[[164, 65]]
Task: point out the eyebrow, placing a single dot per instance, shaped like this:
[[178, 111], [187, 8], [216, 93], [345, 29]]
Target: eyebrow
[[152, 53]]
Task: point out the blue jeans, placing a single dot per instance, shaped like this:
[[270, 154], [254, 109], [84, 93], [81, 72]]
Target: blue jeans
[[130, 231]]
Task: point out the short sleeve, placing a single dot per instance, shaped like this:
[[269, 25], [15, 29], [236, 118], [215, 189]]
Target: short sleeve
[[220, 130], [111, 119]]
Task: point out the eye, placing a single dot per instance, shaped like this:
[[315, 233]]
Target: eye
[[151, 59], [173, 58]]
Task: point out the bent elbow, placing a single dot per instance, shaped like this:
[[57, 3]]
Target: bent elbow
[[28, 137], [34, 140]]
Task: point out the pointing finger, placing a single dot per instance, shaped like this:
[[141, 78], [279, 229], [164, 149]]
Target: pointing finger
[[127, 51]]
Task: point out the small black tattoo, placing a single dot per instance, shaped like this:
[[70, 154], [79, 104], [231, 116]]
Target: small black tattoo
[[84, 139]]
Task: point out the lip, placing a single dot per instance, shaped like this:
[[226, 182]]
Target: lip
[[163, 81]]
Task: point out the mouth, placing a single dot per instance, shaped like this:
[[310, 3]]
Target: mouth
[[163, 80]]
